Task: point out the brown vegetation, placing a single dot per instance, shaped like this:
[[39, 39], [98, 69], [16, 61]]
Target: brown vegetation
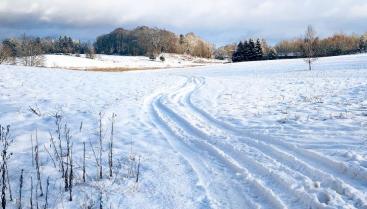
[[151, 42]]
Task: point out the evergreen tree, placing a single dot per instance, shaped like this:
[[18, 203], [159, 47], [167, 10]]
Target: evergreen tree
[[258, 50], [237, 57], [249, 51], [272, 54], [242, 52], [246, 51], [252, 50]]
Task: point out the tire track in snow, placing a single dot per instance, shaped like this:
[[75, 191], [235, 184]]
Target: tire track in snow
[[271, 177], [286, 154], [244, 192], [348, 173], [279, 182]]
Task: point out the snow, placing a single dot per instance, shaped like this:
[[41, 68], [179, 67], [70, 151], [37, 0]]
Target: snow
[[267, 134], [112, 61]]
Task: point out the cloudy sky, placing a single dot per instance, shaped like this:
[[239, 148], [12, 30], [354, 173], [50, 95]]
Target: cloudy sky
[[220, 21]]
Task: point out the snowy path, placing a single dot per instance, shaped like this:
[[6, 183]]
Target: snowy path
[[247, 164]]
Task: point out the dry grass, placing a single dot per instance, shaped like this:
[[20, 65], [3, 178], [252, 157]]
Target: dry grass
[[119, 69]]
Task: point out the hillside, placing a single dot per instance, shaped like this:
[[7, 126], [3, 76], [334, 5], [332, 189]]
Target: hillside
[[151, 42], [267, 134], [124, 63]]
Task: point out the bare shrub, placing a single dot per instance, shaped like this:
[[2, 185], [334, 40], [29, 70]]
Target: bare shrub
[[90, 52]]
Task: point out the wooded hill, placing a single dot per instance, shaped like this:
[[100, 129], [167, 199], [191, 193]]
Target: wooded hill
[[151, 42]]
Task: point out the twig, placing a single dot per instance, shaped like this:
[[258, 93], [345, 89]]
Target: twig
[[32, 150], [71, 175], [84, 162], [38, 166], [20, 189], [138, 171], [9, 186], [31, 198], [53, 161], [46, 197], [100, 146], [35, 111]]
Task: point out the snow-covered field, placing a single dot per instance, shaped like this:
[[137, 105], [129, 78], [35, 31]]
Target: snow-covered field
[[264, 134], [125, 62]]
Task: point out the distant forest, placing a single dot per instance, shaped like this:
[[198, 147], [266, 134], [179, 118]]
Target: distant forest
[[146, 41], [142, 41]]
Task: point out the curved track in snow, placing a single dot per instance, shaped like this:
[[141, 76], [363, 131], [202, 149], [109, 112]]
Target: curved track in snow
[[240, 169]]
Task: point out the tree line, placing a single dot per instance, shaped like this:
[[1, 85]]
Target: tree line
[[141, 41], [30, 50], [337, 44], [146, 41]]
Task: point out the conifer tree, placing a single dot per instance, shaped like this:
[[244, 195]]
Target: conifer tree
[[258, 50], [236, 57], [272, 54], [242, 52], [252, 50], [246, 51]]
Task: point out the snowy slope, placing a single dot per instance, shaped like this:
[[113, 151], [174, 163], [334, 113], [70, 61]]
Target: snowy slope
[[111, 61], [264, 134]]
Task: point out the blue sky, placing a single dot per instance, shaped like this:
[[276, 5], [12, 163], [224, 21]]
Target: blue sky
[[219, 21]]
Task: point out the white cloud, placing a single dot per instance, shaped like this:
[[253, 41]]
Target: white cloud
[[214, 18]]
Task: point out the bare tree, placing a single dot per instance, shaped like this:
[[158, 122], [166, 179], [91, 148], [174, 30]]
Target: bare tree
[[153, 43], [31, 51], [4, 53], [310, 46], [90, 52]]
